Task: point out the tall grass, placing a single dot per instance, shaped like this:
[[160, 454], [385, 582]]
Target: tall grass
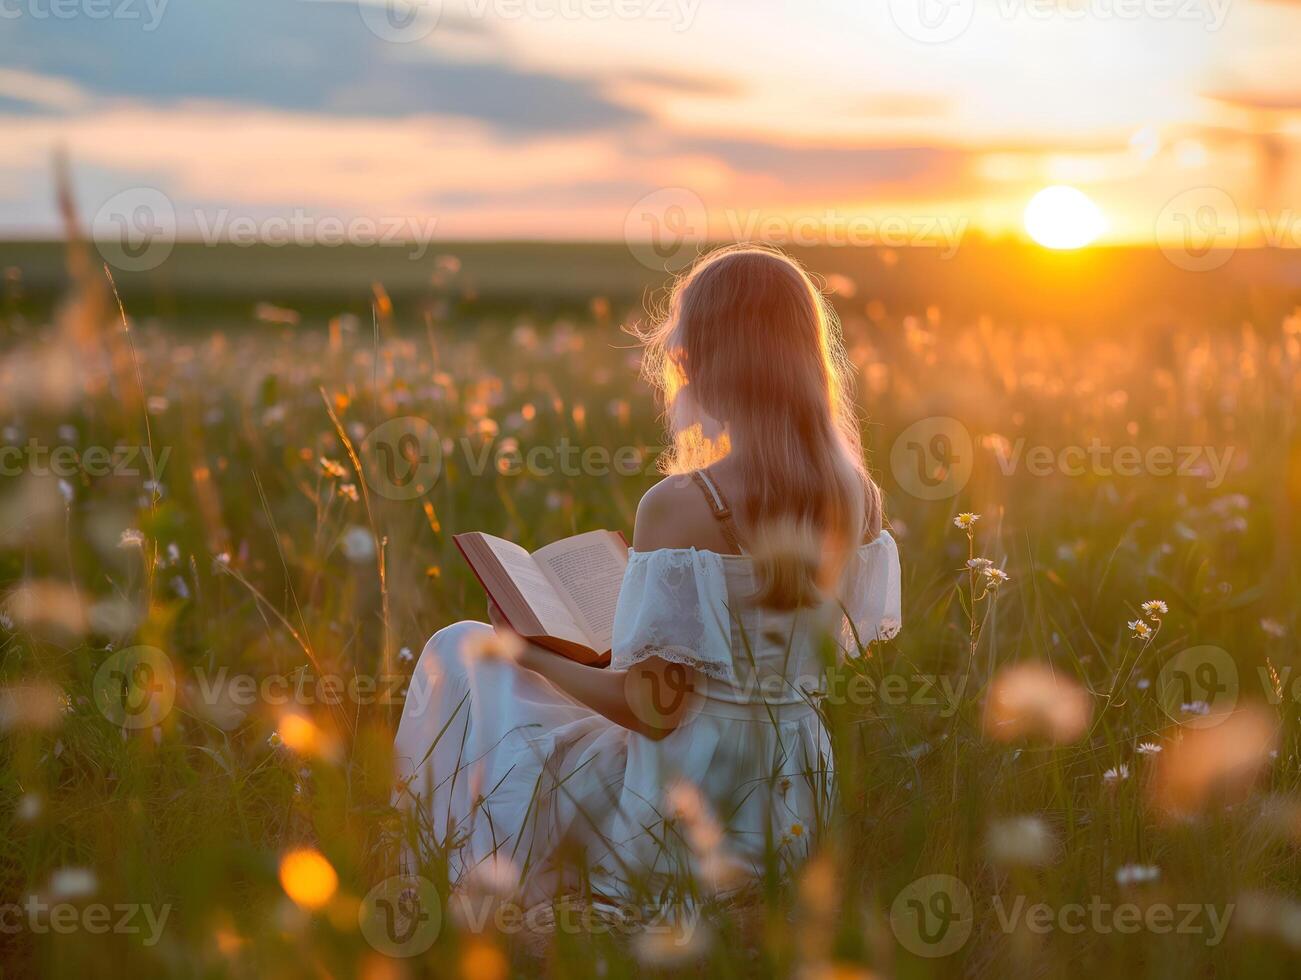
[[257, 548]]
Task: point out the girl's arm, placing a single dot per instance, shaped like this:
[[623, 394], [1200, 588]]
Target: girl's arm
[[622, 696]]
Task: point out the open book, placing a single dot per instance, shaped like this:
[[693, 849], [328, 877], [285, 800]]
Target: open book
[[561, 597]]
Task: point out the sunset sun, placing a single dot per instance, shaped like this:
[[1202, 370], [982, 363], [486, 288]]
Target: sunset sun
[[1062, 217]]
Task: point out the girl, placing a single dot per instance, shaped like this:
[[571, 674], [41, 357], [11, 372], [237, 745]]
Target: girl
[[698, 754]]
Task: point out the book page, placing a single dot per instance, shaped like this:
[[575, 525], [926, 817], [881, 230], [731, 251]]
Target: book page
[[537, 591], [587, 570]]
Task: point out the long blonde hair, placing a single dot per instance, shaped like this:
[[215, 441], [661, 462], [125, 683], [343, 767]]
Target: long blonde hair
[[748, 353]]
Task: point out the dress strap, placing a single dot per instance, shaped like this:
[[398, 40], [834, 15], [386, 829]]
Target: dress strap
[[720, 508]]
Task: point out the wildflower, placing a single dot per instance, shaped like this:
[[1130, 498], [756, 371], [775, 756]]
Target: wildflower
[[1137, 874], [131, 538], [29, 807], [797, 829], [1024, 841], [1155, 608], [1148, 748], [1140, 629], [405, 655], [274, 740], [333, 469], [1116, 774], [1274, 628], [70, 883], [888, 628], [358, 544], [965, 520], [994, 577], [979, 564], [349, 490]]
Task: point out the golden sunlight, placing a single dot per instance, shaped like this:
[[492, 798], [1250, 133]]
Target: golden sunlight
[[1063, 217]]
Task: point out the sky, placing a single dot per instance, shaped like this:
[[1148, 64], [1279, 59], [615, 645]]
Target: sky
[[903, 121]]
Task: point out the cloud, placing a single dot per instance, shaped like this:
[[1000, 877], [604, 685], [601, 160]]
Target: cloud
[[297, 55]]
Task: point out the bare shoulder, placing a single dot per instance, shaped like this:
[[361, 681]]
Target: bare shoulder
[[673, 514]]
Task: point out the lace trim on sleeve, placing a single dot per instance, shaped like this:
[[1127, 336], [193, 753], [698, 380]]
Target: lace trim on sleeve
[[673, 605]]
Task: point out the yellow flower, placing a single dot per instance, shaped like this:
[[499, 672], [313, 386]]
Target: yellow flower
[[965, 520], [1141, 630], [797, 829], [1155, 608]]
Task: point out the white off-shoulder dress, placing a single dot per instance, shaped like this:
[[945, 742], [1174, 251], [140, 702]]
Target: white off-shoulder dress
[[507, 773]]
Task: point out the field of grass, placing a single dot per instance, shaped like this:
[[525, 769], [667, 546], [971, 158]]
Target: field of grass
[[995, 742]]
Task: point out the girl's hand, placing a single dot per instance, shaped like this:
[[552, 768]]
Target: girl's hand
[[532, 654]]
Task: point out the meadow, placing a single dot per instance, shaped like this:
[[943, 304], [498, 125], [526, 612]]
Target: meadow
[[1105, 787]]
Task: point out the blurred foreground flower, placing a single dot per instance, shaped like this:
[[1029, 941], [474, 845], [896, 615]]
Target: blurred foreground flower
[[357, 544], [1031, 699], [1024, 841], [48, 607], [492, 883], [674, 938], [308, 878], [1218, 763], [301, 735], [494, 645], [484, 961], [37, 706], [1137, 874], [1269, 914], [67, 884]]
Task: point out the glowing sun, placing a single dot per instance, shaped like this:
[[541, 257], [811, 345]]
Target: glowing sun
[[1063, 217]]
